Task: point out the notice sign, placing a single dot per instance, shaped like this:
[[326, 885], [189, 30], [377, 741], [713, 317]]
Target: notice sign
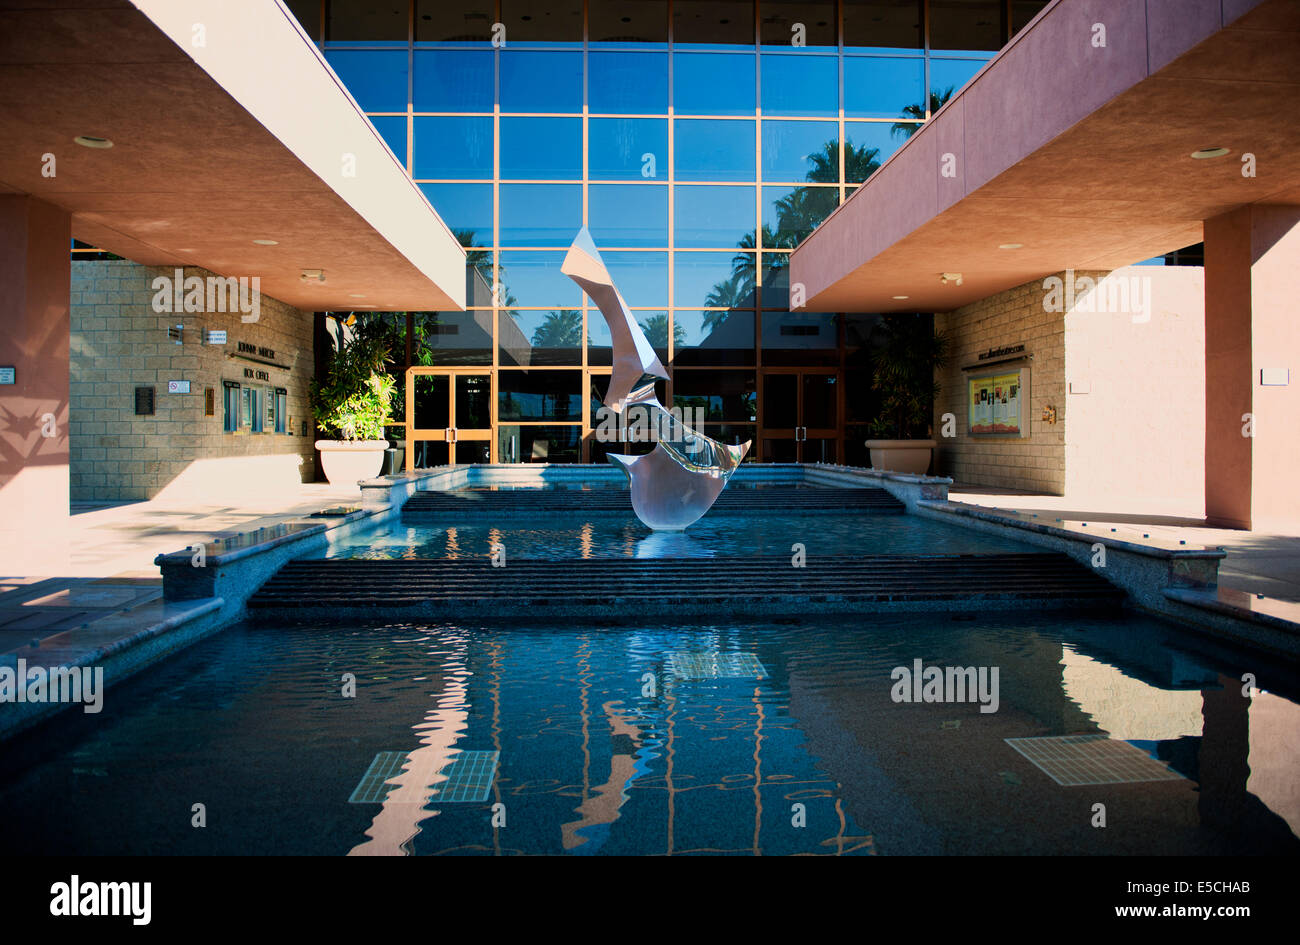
[[996, 404], [6, 375], [178, 387]]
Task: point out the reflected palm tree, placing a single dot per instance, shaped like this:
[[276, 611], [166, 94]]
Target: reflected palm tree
[[798, 213], [909, 128], [562, 329], [655, 329]]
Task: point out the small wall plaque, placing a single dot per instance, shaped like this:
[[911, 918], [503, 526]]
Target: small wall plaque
[[1274, 376], [215, 336], [178, 387], [144, 401], [7, 375], [209, 402]]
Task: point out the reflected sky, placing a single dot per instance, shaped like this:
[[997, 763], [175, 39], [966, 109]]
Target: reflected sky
[[620, 215], [710, 215], [541, 149], [714, 150]]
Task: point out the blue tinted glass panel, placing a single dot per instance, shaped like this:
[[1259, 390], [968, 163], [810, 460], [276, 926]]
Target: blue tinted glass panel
[[460, 23], [800, 84], [893, 25], [453, 148], [947, 76], [715, 150], [626, 83], [541, 81], [869, 145], [453, 80], [882, 87], [393, 130], [654, 324], [801, 150], [642, 278], [714, 22], [553, 337], [376, 78], [967, 24], [627, 149], [627, 21], [713, 84], [628, 215], [714, 280], [540, 215], [465, 208], [709, 217], [776, 282], [814, 24], [534, 280], [541, 148], [713, 337], [791, 213]]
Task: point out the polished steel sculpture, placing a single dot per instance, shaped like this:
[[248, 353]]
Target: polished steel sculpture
[[676, 482]]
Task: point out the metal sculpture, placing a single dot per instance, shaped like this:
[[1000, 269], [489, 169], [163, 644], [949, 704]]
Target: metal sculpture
[[676, 482]]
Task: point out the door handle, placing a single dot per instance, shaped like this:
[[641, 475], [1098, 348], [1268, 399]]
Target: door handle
[[451, 434]]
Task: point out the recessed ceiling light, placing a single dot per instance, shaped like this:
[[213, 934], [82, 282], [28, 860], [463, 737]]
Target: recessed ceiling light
[[900, 298], [1011, 245], [356, 295], [267, 242], [1204, 153], [91, 141]]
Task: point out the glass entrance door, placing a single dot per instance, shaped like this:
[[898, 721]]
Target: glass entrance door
[[448, 417], [800, 416]]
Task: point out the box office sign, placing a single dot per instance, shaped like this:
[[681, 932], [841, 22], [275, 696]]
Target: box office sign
[[998, 404]]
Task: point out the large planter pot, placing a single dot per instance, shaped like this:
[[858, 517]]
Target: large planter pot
[[905, 456], [347, 462]]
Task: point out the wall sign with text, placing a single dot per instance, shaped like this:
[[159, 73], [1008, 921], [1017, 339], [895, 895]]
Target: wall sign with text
[[998, 404]]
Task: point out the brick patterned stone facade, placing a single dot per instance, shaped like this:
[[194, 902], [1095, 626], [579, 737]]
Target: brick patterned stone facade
[[120, 343], [1013, 317]]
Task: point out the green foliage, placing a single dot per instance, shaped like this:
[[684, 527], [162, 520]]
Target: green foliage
[[354, 399], [902, 373]]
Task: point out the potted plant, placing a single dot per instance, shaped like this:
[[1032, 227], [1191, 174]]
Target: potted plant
[[902, 374], [352, 404]]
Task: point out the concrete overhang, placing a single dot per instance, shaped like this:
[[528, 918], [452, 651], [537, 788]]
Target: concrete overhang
[[1080, 152], [227, 126]]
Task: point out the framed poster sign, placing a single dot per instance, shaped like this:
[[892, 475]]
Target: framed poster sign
[[998, 404]]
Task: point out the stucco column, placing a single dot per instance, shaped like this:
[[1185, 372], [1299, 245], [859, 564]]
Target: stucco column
[[35, 240], [1252, 358]]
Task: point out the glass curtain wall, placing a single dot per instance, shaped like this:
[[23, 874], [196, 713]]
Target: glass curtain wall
[[699, 140]]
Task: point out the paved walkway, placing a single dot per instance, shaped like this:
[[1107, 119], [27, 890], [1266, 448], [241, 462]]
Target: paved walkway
[[113, 547], [1257, 562]]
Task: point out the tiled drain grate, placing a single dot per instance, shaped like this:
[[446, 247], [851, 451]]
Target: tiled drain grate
[[716, 666], [372, 789], [469, 778], [1072, 760]]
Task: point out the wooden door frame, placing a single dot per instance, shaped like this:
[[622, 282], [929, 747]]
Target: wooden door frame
[[440, 436], [837, 432]]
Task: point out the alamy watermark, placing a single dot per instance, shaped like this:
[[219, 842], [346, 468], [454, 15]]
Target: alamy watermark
[[179, 293], [83, 684], [641, 424], [919, 683], [1121, 295]]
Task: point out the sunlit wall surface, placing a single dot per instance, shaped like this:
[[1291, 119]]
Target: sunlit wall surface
[[699, 141]]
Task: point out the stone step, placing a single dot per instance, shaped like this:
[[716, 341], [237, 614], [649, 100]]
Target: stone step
[[437, 506], [659, 588]]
